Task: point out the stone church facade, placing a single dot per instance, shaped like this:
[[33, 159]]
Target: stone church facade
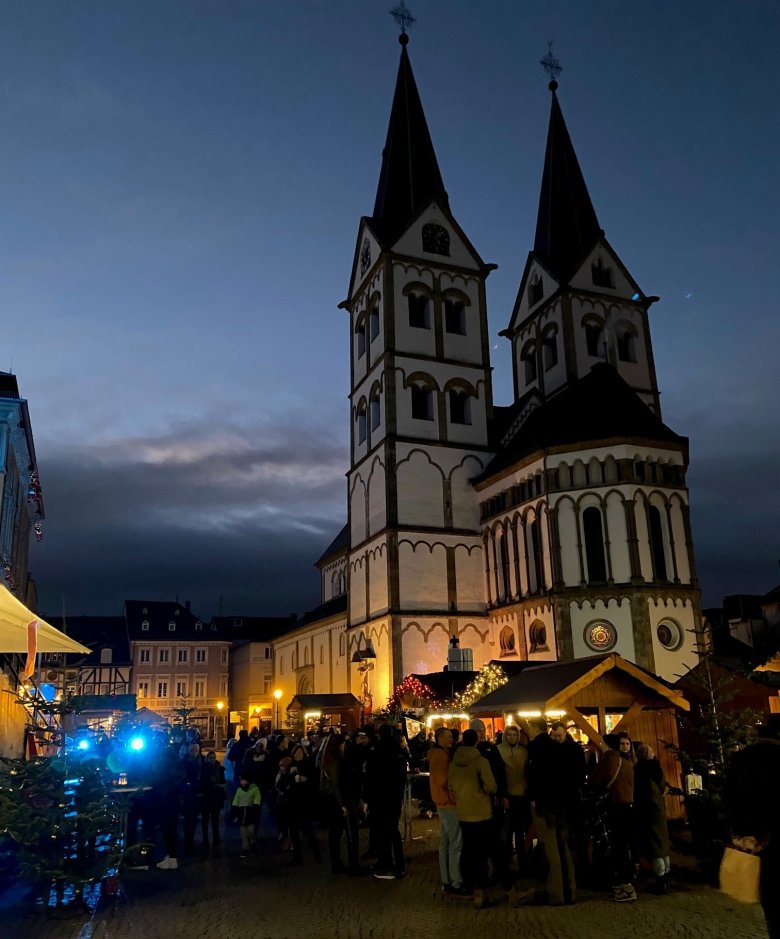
[[554, 528]]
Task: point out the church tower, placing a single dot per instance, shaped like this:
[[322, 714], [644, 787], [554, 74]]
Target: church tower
[[420, 406], [588, 544]]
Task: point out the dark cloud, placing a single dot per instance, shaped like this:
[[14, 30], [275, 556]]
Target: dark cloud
[[239, 513]]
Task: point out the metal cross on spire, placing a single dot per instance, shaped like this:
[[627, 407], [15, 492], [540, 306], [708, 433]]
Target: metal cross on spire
[[403, 16], [551, 65]]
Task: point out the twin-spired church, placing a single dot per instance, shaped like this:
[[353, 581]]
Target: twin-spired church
[[553, 528]]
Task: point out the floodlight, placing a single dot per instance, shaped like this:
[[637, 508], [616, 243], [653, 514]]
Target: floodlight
[[137, 743]]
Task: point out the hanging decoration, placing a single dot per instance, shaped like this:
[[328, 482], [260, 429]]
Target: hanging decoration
[[38, 529], [489, 678], [8, 572], [34, 491], [411, 693]]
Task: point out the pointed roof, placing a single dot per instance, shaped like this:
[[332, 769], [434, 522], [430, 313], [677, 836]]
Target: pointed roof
[[410, 178], [566, 227]]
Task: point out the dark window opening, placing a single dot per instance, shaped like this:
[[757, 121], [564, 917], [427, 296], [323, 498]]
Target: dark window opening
[[455, 317], [626, 346], [639, 469], [360, 333], [594, 546], [361, 422], [460, 407], [422, 403], [435, 239], [601, 274], [373, 324], [529, 361], [535, 290], [503, 554], [419, 315], [657, 542], [550, 351], [593, 339], [376, 414], [536, 557]]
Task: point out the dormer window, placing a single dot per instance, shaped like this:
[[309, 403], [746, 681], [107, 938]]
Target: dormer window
[[535, 290], [144, 611], [419, 311], [455, 317], [198, 627], [145, 626], [601, 274], [171, 626], [435, 239]]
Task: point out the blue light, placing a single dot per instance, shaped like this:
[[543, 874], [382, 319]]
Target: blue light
[[83, 744], [635, 297], [137, 743]]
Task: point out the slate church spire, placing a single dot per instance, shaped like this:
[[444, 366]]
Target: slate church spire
[[410, 178]]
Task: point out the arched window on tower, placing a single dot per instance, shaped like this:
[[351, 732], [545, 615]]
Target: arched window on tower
[[594, 339], [373, 322], [361, 422], [502, 574], [422, 403], [376, 411], [460, 406], [360, 337], [535, 289], [529, 363], [550, 349], [593, 531], [419, 311], [536, 566], [657, 542], [626, 343], [454, 316]]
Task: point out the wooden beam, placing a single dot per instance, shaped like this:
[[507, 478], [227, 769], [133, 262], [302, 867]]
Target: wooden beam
[[559, 700], [650, 681], [586, 727], [628, 717]]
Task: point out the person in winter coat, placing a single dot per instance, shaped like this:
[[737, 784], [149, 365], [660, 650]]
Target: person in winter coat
[[246, 808], [213, 798], [386, 769], [191, 792], [301, 795], [497, 849], [256, 765], [555, 774], [650, 814], [472, 784], [517, 818], [615, 772], [339, 804], [238, 752], [450, 835]]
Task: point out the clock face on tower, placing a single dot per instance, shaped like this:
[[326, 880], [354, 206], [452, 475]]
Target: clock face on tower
[[365, 256], [435, 239]]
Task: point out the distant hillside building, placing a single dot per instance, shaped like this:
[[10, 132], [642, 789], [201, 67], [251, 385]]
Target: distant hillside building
[[554, 528]]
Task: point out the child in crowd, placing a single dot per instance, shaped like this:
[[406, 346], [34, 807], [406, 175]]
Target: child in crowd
[[246, 807]]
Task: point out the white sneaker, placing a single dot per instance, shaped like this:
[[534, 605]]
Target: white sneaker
[[168, 864]]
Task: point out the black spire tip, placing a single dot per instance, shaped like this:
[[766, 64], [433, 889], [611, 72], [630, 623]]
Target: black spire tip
[[553, 86], [404, 39]]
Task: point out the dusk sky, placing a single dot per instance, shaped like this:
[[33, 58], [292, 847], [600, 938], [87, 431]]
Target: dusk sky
[[181, 183]]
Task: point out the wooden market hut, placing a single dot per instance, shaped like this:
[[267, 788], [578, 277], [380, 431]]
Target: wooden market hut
[[599, 694], [336, 710]]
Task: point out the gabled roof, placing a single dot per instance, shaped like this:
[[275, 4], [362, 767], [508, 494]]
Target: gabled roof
[[600, 406], [339, 545], [550, 686], [160, 614], [566, 225], [96, 633], [239, 628], [329, 608], [410, 178]]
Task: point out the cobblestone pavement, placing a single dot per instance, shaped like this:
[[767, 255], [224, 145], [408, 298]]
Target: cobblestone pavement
[[265, 898]]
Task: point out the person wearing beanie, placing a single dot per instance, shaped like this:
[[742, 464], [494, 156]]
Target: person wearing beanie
[[472, 785]]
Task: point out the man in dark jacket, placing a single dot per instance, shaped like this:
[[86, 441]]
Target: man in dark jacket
[[556, 772], [496, 850], [384, 791]]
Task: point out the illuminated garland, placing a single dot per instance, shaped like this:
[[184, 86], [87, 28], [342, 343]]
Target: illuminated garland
[[410, 693], [486, 680]]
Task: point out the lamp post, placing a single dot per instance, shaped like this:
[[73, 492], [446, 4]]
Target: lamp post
[[220, 709], [277, 695]]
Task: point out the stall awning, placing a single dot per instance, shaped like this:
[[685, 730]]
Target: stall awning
[[327, 703], [14, 620]]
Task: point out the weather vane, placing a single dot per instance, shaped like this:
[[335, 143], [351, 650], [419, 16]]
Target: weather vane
[[551, 65], [403, 16]]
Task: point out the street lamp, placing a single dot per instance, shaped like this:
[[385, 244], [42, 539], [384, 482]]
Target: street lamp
[[220, 709], [277, 695]]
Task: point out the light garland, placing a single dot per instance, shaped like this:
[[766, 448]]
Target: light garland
[[486, 680], [410, 687]]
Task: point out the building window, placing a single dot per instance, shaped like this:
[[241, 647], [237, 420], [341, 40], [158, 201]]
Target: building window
[[601, 637], [171, 627], [200, 689], [373, 323], [419, 311], [422, 403], [360, 337], [376, 412], [144, 611], [537, 637], [200, 655], [601, 274], [268, 652], [198, 627], [223, 687], [460, 407], [455, 317], [164, 655], [181, 689], [435, 239], [224, 656], [594, 545], [322, 655], [535, 290], [669, 635], [144, 655], [145, 626], [537, 568], [626, 345], [162, 689], [143, 689], [550, 350], [529, 364], [266, 684], [657, 542], [362, 425], [594, 340], [183, 656]]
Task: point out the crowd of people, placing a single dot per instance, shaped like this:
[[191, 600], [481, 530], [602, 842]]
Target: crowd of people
[[533, 805]]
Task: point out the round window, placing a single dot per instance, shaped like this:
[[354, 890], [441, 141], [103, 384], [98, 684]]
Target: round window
[[669, 635], [601, 637]]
